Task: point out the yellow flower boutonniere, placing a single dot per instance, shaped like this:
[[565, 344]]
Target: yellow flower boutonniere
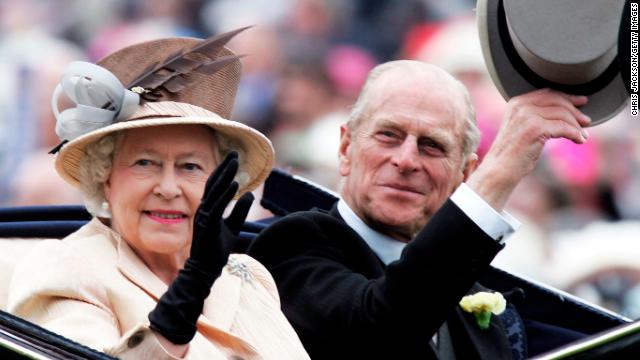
[[482, 305]]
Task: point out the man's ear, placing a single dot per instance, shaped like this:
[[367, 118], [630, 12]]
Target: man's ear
[[343, 152], [470, 166]]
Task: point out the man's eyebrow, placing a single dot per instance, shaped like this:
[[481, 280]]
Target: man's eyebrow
[[438, 135], [441, 138], [386, 123]]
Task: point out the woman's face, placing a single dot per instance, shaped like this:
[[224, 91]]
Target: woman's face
[[156, 183]]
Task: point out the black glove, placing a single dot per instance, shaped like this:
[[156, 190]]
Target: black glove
[[178, 309]]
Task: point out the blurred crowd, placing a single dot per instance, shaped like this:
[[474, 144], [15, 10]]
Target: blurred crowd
[[306, 61]]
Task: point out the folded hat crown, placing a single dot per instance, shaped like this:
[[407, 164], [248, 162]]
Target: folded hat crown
[[183, 70], [570, 41]]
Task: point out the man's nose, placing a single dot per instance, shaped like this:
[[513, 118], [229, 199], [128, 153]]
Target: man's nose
[[168, 186], [406, 157]]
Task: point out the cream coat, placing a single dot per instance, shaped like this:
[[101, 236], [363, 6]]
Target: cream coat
[[91, 287]]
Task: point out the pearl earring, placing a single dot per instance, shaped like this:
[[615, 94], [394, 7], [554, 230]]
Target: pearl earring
[[105, 206]]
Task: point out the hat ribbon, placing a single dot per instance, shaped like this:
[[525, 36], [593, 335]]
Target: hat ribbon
[[100, 100]]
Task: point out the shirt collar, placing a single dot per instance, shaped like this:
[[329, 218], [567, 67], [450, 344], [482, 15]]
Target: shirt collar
[[387, 248]]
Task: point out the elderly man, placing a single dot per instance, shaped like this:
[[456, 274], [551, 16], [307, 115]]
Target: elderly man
[[417, 223]]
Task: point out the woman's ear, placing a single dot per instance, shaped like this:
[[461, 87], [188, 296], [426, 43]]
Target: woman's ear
[[343, 151], [107, 189]]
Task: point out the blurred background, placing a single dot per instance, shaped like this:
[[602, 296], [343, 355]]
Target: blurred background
[[307, 60]]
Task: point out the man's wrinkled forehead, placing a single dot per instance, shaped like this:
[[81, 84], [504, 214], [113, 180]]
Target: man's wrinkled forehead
[[414, 82], [402, 85]]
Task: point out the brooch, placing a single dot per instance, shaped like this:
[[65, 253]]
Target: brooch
[[239, 269]]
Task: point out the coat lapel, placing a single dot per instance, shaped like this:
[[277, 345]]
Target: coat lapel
[[335, 213], [219, 309], [132, 267], [491, 343]]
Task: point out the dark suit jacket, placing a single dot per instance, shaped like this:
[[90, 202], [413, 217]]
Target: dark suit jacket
[[345, 303]]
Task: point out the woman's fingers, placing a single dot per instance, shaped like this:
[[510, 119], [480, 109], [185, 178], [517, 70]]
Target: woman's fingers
[[220, 179], [208, 221], [216, 184], [233, 155], [222, 201], [239, 213]]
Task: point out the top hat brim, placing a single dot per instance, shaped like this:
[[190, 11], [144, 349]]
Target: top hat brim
[[607, 94]]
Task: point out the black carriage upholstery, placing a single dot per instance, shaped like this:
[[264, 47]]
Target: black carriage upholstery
[[283, 194]]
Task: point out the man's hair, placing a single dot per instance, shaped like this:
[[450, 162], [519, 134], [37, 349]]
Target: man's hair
[[360, 109], [97, 163]]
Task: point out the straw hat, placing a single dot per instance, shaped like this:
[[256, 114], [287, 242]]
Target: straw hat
[[198, 87], [566, 45]]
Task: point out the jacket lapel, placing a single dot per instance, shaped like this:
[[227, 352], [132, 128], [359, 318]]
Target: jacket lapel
[[334, 212], [217, 320], [219, 308], [132, 267], [491, 343]]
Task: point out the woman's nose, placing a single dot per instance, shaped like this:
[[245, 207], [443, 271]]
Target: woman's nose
[[168, 186]]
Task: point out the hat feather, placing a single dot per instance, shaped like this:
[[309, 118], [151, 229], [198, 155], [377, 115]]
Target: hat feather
[[172, 75]]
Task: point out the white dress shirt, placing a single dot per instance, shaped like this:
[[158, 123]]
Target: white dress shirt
[[497, 225]]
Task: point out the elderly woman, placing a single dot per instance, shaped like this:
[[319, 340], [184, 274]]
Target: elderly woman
[[151, 276]]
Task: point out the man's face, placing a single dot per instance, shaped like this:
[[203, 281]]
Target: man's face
[[404, 159]]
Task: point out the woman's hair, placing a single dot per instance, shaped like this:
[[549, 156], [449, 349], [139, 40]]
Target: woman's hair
[[96, 165], [94, 170]]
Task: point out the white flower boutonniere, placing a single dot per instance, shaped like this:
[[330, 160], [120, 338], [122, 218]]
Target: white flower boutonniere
[[482, 305]]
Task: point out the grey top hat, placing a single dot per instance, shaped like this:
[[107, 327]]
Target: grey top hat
[[568, 45]]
